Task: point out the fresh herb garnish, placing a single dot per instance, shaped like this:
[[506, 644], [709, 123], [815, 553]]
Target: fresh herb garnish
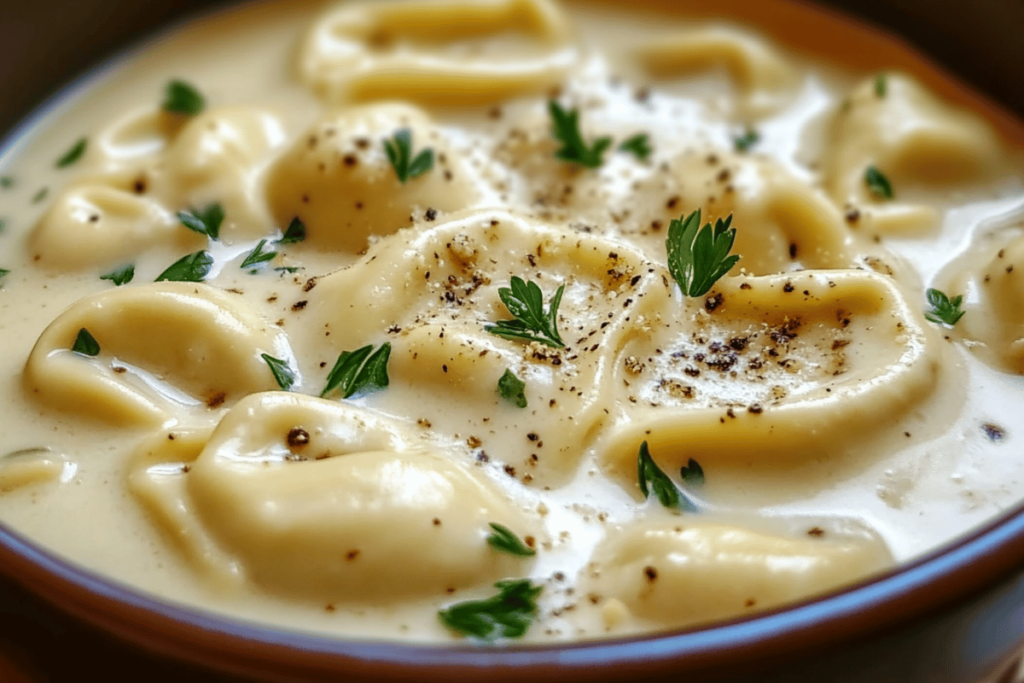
[[41, 195], [257, 257], [286, 269], [744, 142], [399, 151], [206, 222], [359, 372], [692, 474], [282, 373], [191, 268], [296, 232], [504, 540], [944, 310], [878, 183], [86, 344], [505, 615], [121, 275], [664, 489], [525, 301], [880, 86], [698, 257], [183, 98], [73, 154], [512, 389], [565, 128], [6, 181], [3, 271], [638, 145]]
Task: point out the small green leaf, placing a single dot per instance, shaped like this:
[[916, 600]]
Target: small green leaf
[[40, 195], [508, 614], [664, 489], [399, 151], [880, 86], [692, 474], [182, 98], [258, 257], [282, 373], [504, 540], [73, 154], [944, 309], [512, 389], [525, 302], [296, 232], [638, 145], [3, 272], [286, 269], [565, 128], [121, 275], [206, 222], [86, 344], [359, 372], [699, 257], [6, 181], [878, 183], [191, 268], [744, 142]]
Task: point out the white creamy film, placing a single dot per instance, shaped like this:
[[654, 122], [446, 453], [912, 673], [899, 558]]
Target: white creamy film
[[839, 431]]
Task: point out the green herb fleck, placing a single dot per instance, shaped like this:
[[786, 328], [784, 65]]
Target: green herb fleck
[[6, 181], [565, 128], [504, 540], [206, 222], [744, 142], [944, 310], [73, 154], [399, 151], [692, 474], [296, 232], [86, 344], [3, 272], [877, 183], [121, 275], [359, 372], [191, 268], [505, 615], [698, 257], [282, 373], [286, 269], [182, 98], [525, 302], [880, 86], [512, 389], [257, 257], [664, 489], [638, 145], [41, 195]]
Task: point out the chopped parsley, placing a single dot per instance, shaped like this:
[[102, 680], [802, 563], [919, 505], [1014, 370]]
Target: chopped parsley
[[191, 268], [282, 373], [206, 222], [505, 615], [257, 257], [3, 272], [565, 128], [880, 86], [73, 154], [512, 389], [698, 257], [182, 98], [41, 195], [286, 269], [121, 275], [944, 310], [359, 372], [296, 232], [878, 183], [744, 142], [86, 344], [638, 145], [6, 181], [692, 474], [399, 151], [652, 478], [525, 302], [504, 540]]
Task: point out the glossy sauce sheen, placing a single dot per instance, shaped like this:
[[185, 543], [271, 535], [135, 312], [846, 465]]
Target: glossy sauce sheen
[[839, 431]]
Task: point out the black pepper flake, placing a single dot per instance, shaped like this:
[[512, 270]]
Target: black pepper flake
[[437, 521], [298, 437], [351, 555], [651, 573], [299, 305], [212, 402], [672, 201], [430, 214], [755, 409], [852, 216], [788, 287], [792, 250], [350, 160], [510, 471], [713, 302], [816, 532], [992, 432]]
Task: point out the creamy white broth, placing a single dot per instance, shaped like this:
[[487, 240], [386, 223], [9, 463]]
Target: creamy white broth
[[885, 490]]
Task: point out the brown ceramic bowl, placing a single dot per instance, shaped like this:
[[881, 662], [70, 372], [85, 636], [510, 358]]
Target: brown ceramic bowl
[[955, 615]]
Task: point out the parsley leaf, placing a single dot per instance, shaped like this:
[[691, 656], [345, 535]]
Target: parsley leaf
[[361, 371], [282, 373], [73, 154], [286, 269], [86, 344], [664, 489], [880, 86], [183, 98], [191, 268], [692, 474], [399, 151], [505, 615], [504, 540], [121, 275], [638, 145], [41, 195], [744, 142], [565, 128], [512, 389], [257, 257], [878, 183], [6, 181], [698, 257], [525, 301], [206, 222], [3, 271], [944, 310], [296, 232]]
